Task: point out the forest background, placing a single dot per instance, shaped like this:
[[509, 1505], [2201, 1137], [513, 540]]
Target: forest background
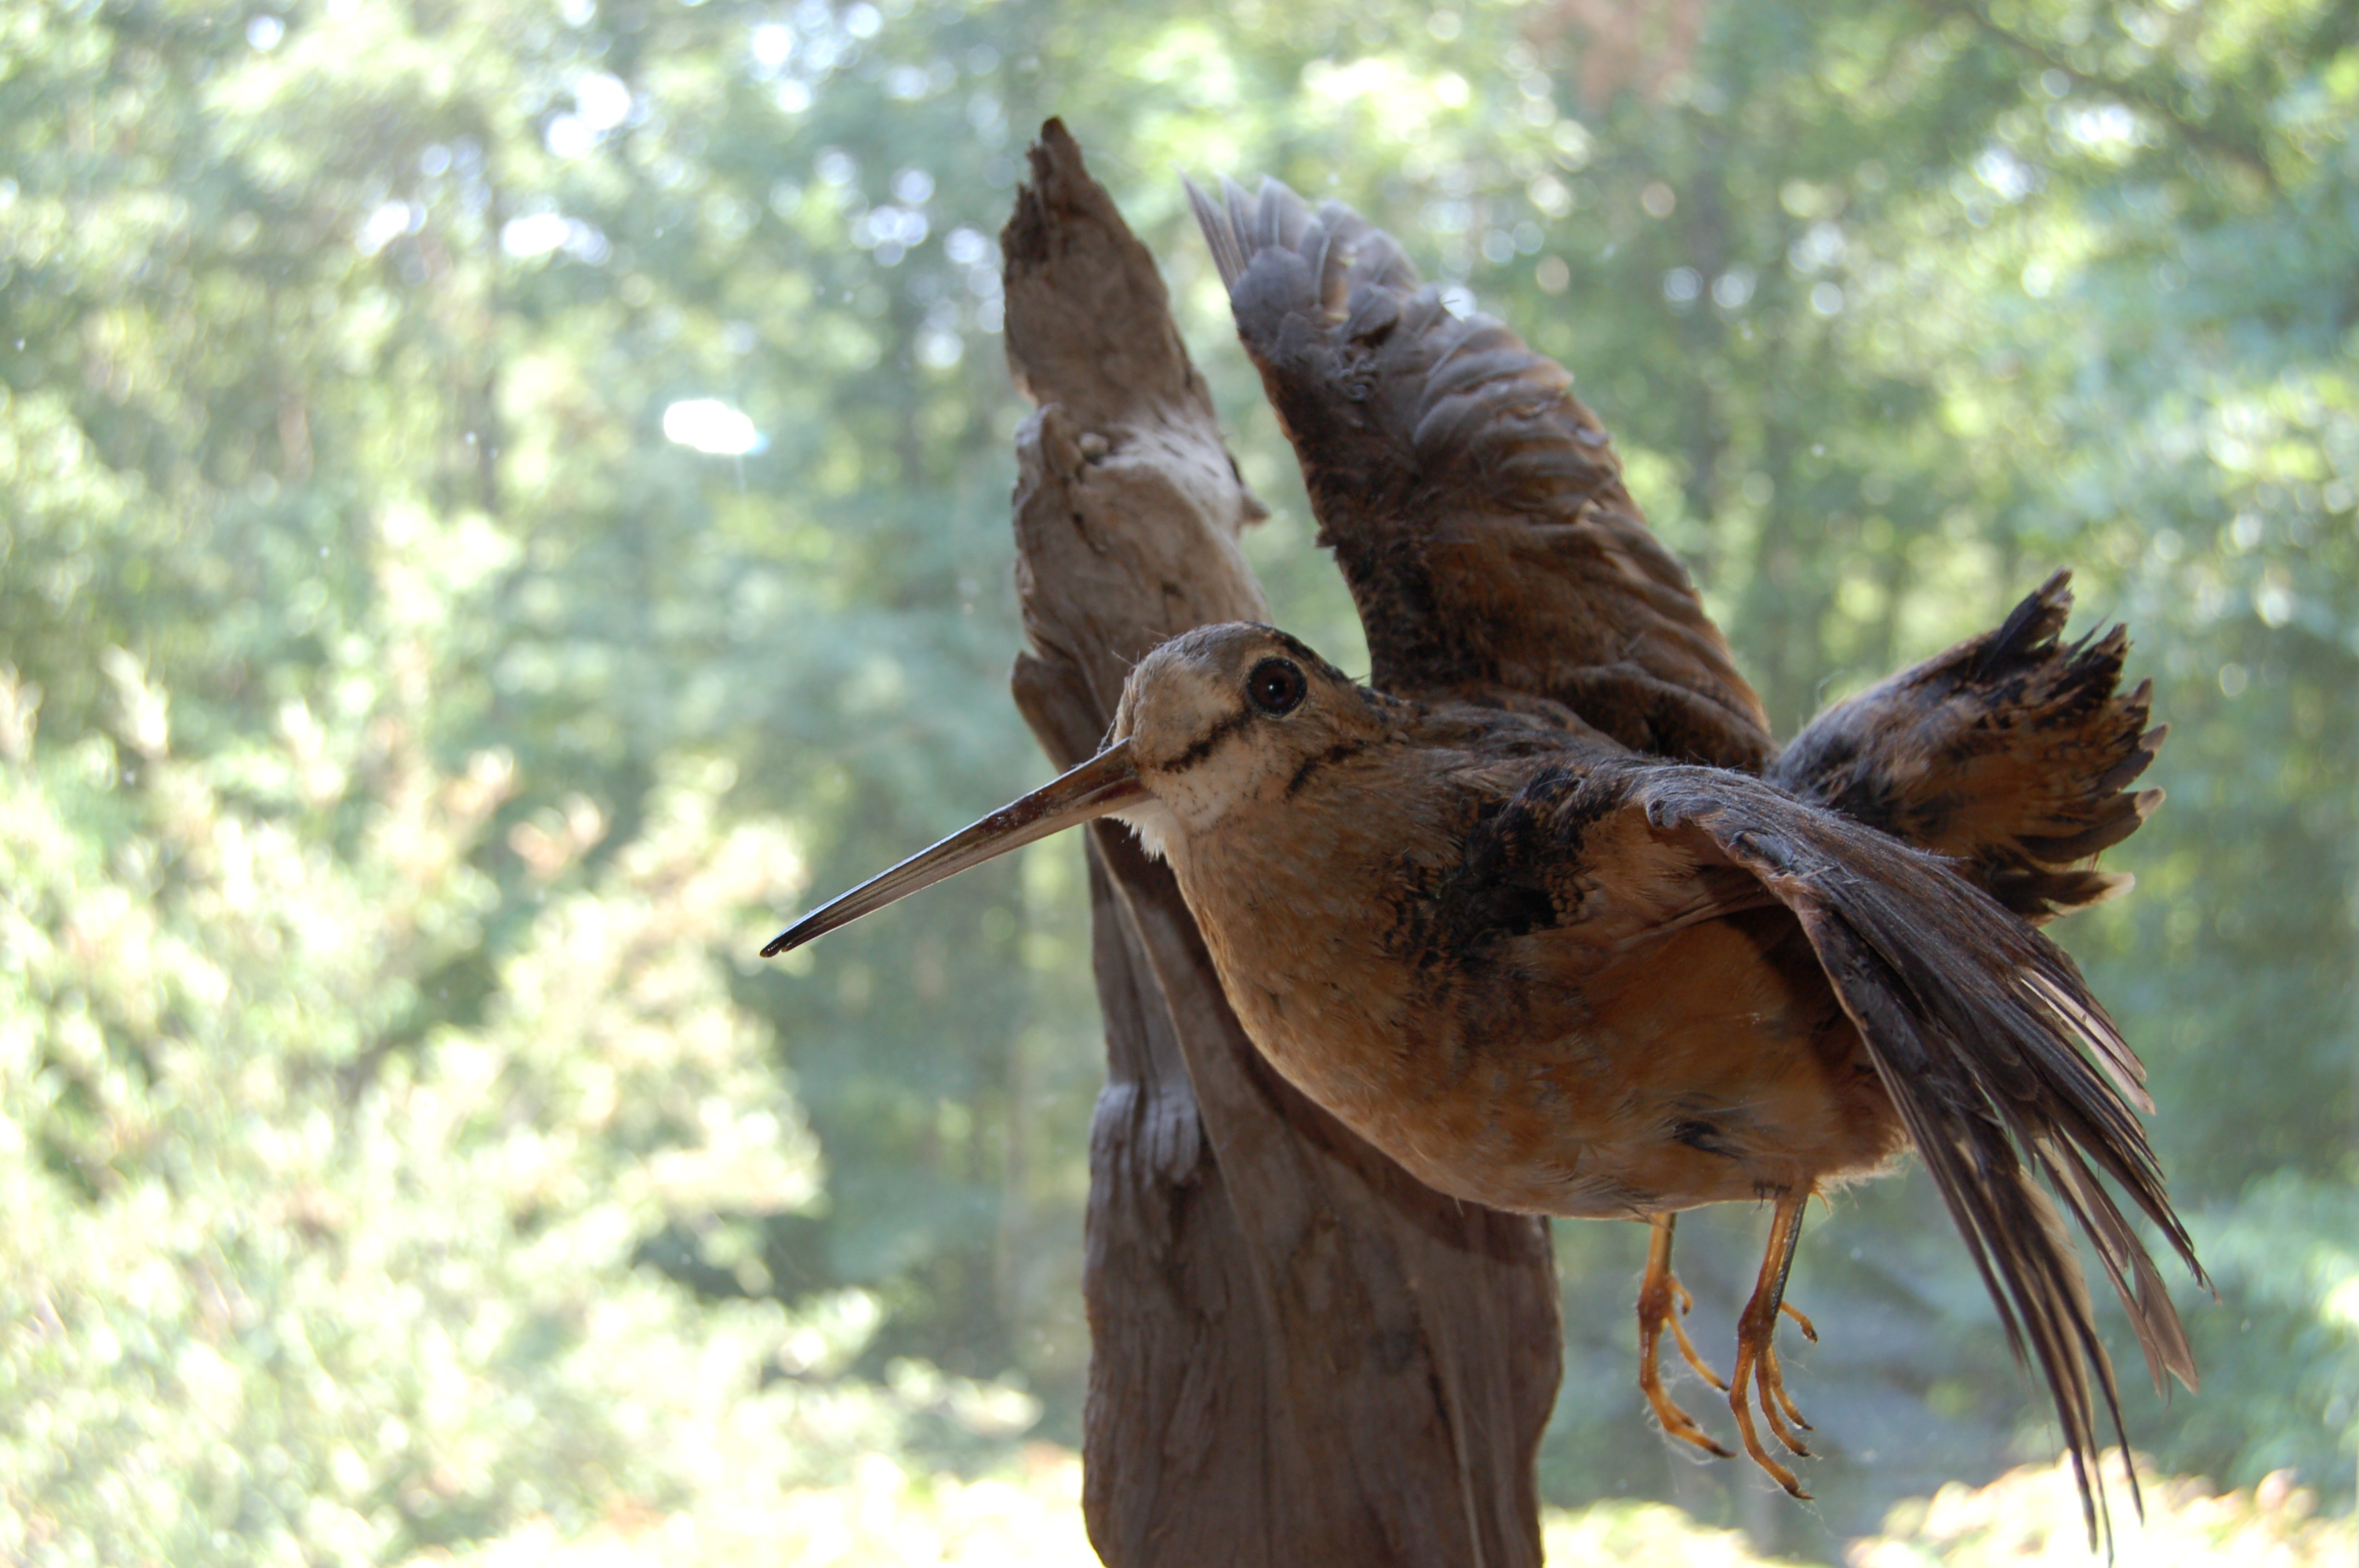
[[501, 501]]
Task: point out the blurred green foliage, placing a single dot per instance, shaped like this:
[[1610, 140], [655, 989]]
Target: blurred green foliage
[[411, 733]]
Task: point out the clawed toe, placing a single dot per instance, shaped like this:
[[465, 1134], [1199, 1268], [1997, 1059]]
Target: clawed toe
[[1750, 1368], [1687, 1347], [1677, 1423], [1662, 1301], [1759, 1377], [1774, 1379]]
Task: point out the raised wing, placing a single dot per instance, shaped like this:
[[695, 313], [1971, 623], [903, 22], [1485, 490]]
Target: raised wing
[[1998, 1060], [1475, 506], [2012, 753]]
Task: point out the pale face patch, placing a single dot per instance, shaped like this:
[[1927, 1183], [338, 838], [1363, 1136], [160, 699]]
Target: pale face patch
[[1157, 829]]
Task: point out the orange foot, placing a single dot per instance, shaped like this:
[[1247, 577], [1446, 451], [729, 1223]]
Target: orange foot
[[1759, 1378], [1662, 1301]]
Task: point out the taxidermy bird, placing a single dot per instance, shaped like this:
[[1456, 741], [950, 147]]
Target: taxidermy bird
[[1544, 913]]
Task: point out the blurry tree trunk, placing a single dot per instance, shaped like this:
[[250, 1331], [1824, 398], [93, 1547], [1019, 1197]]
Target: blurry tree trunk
[[1299, 1354]]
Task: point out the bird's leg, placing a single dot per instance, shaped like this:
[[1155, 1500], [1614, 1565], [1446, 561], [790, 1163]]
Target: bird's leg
[[1663, 1300], [1658, 1273], [1758, 1375]]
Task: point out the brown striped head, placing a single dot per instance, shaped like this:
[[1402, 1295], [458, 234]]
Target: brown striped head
[[1232, 714]]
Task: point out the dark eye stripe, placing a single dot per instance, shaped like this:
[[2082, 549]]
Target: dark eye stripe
[[1202, 746]]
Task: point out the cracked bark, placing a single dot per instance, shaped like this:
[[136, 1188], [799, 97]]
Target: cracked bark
[[1299, 1353]]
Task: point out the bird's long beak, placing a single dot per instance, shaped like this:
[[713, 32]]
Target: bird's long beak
[[1105, 782]]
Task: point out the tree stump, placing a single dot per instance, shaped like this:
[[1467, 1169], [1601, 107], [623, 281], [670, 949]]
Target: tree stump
[[1299, 1353]]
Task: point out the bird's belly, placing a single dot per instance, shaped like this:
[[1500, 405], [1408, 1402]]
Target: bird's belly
[[1543, 1142], [1590, 1102], [1565, 1138]]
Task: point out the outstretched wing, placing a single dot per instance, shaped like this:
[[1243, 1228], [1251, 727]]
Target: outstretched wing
[[1998, 1058], [2012, 753], [1475, 506]]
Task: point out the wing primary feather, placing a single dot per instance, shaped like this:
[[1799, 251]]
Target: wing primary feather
[[2000, 1065], [2120, 1063], [1319, 244], [2160, 1334], [2010, 1228], [1441, 454], [1220, 234]]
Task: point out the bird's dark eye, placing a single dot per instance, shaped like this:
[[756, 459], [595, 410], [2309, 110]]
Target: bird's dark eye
[[1276, 686]]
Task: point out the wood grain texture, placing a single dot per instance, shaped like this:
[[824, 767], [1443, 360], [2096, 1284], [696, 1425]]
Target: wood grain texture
[[1299, 1354]]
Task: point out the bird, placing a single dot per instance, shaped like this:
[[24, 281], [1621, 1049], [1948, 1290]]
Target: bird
[[1543, 912]]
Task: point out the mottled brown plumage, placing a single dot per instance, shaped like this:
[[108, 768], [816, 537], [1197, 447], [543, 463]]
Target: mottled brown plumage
[[1475, 506], [1477, 511], [2011, 752], [1528, 919], [1549, 973]]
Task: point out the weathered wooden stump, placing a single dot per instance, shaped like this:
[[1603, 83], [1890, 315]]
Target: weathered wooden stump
[[1299, 1354]]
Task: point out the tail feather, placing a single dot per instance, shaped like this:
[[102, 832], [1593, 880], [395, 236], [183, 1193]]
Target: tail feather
[[2012, 753]]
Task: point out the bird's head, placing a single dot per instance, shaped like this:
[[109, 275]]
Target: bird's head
[[1212, 722], [1226, 716]]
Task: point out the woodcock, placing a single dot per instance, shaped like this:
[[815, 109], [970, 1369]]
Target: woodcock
[[1545, 915]]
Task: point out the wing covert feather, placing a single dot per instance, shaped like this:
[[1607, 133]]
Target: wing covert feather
[[1475, 506], [2012, 753]]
